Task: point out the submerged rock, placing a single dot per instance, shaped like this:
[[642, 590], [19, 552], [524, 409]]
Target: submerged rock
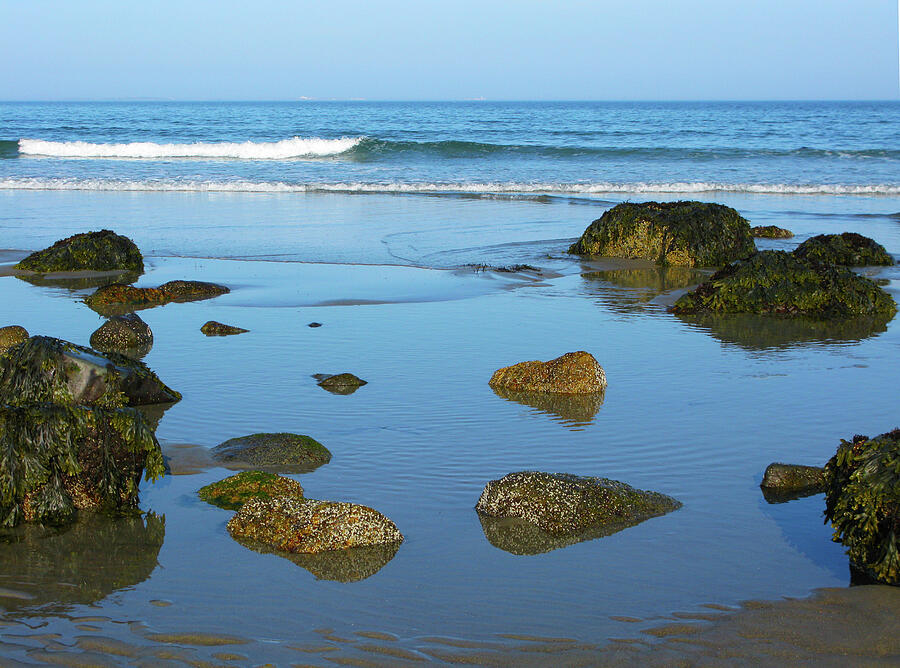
[[307, 526], [562, 504], [10, 336], [339, 383], [785, 482], [782, 283], [849, 249], [576, 408], [770, 232], [118, 298], [234, 491], [126, 334], [679, 233], [213, 328], [572, 373], [99, 251], [279, 453], [862, 501]]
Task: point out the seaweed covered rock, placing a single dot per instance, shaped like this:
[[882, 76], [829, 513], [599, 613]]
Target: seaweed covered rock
[[118, 298], [849, 249], [279, 453], [234, 491], [98, 251], [339, 383], [784, 283], [126, 334], [572, 373], [862, 502], [306, 526], [561, 503], [784, 482], [770, 232], [677, 233], [213, 328], [187, 291], [10, 336]]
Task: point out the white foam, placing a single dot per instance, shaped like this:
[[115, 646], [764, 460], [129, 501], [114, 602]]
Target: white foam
[[450, 188], [298, 147]]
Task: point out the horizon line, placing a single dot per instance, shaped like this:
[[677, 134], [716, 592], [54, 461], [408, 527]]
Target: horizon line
[[435, 100]]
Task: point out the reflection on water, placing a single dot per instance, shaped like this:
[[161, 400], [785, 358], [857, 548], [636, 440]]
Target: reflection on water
[[517, 536], [579, 409], [631, 289], [79, 564], [80, 280], [351, 565], [153, 413], [760, 332]]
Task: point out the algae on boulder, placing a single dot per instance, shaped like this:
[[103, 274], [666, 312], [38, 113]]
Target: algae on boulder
[[118, 298], [339, 383], [280, 453], [783, 283], [11, 335], [678, 233], [234, 491], [126, 334], [213, 328], [862, 502], [785, 482], [572, 373], [848, 249], [99, 251], [770, 232]]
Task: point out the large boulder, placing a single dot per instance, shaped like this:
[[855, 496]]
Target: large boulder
[[862, 501], [785, 482], [126, 334], [234, 491], [677, 233], [118, 298], [849, 249], [562, 504], [10, 336], [783, 283], [98, 251], [292, 524], [277, 453], [572, 373]]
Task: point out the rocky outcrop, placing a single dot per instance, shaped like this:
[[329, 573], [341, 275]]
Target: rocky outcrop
[[676, 233], [277, 453], [848, 249], [770, 232], [98, 251], [118, 298], [126, 334], [783, 283], [339, 383], [862, 502], [572, 373], [213, 328], [234, 491], [10, 336], [785, 482]]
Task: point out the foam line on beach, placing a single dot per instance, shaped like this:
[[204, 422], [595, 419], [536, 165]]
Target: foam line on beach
[[297, 147]]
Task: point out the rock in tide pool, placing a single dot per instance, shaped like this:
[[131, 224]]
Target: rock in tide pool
[[118, 298], [572, 373], [785, 482], [776, 282], [126, 334], [98, 251], [277, 453], [234, 491], [307, 526], [213, 328], [862, 501], [849, 249], [770, 232], [679, 233], [562, 504], [339, 383], [185, 291], [10, 336]]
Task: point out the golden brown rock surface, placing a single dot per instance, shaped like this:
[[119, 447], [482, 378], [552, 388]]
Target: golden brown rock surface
[[572, 373]]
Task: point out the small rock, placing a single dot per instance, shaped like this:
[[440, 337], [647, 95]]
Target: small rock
[[848, 249], [572, 373], [192, 290], [340, 383], [125, 334], [279, 453], [98, 251], [234, 491], [213, 328], [770, 232], [314, 324], [10, 336], [784, 482]]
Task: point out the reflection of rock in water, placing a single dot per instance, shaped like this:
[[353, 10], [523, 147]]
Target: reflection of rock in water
[[759, 332], [629, 290], [351, 565], [577, 408], [518, 536], [74, 281], [152, 413], [81, 564]]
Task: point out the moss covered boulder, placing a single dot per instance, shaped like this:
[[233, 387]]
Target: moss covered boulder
[[849, 249], [572, 373], [127, 334], [561, 504], [339, 383], [292, 524], [98, 251], [669, 233], [118, 298], [785, 482], [770, 232], [234, 491], [777, 282], [213, 328], [862, 502], [10, 336], [277, 453]]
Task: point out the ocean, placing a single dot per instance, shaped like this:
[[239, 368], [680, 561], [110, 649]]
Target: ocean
[[387, 222]]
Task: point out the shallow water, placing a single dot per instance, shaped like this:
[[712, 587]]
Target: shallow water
[[695, 410]]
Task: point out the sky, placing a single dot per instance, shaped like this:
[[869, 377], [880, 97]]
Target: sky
[[439, 50]]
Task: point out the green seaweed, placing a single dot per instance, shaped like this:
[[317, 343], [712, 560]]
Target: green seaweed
[[848, 249], [98, 251], [234, 491]]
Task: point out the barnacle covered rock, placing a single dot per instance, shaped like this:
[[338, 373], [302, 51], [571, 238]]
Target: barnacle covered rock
[[99, 251], [10, 336], [849, 249], [770, 232], [213, 328], [862, 501], [232, 492], [784, 482], [126, 334], [561, 504], [777, 282], [679, 233], [572, 373], [281, 452]]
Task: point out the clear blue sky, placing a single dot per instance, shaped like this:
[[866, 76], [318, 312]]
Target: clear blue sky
[[431, 49]]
